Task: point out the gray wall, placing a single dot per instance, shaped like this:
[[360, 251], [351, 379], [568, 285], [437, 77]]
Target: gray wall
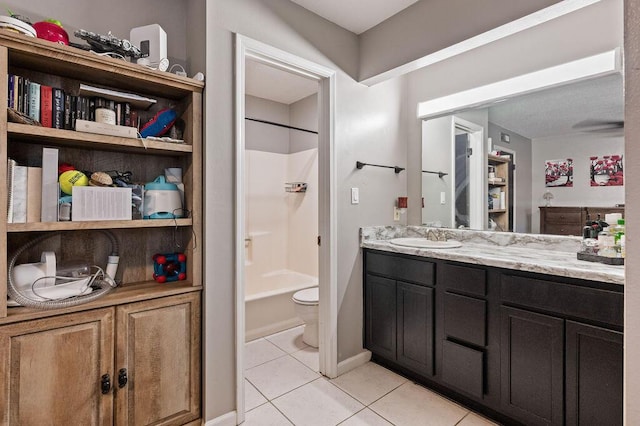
[[522, 148], [431, 25], [368, 128]]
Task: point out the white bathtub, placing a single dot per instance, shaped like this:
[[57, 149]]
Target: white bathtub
[[268, 304]]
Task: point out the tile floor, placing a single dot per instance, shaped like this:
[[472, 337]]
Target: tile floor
[[283, 387]]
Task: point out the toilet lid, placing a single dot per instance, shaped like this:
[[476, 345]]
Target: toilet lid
[[307, 296]]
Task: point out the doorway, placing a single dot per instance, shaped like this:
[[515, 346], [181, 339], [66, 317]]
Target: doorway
[[468, 191], [255, 52]]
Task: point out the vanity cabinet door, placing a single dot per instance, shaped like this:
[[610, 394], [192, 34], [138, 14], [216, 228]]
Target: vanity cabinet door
[[594, 375], [380, 316], [532, 367], [415, 327]]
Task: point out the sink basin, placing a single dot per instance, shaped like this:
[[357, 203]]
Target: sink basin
[[425, 243]]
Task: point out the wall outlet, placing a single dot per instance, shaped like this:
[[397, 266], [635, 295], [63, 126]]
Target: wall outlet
[[396, 214], [443, 198], [355, 195]]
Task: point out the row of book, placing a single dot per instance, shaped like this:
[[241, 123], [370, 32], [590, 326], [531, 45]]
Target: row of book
[[54, 108], [24, 186]]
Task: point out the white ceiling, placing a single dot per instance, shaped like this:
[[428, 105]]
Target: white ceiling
[[563, 110], [267, 82], [356, 16]]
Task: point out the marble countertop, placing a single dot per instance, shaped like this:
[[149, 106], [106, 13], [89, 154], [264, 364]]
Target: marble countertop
[[544, 254]]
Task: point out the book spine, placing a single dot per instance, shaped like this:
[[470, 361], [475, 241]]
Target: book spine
[[50, 187], [15, 92], [126, 114], [10, 92], [11, 164], [19, 194], [34, 101], [46, 106], [68, 102], [25, 96], [34, 193], [58, 108], [19, 106]]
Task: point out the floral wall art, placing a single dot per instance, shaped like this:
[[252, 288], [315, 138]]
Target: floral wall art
[[607, 170], [559, 173]]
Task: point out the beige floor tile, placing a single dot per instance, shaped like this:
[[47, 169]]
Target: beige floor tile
[[368, 382], [279, 376], [308, 356], [260, 351], [289, 340], [265, 415], [252, 398], [411, 404], [473, 419], [318, 403], [365, 417]]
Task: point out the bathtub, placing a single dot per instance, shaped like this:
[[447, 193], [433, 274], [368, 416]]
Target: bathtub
[[268, 304]]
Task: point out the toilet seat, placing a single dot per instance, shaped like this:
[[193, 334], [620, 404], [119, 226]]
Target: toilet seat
[[309, 296]]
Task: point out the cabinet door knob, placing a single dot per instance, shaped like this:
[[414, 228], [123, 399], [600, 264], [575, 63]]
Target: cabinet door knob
[[122, 378], [105, 384]]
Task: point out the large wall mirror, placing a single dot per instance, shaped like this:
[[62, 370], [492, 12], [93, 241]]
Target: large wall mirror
[[546, 142]]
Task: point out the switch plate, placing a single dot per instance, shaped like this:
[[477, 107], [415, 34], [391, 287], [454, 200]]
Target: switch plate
[[443, 198], [355, 196]]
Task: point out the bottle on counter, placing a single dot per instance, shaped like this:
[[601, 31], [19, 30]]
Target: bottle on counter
[[606, 243], [619, 238]]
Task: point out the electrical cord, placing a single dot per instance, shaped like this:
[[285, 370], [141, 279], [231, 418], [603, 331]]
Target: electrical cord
[[103, 285]]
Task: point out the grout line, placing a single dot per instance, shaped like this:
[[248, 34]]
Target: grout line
[[463, 417], [283, 414]]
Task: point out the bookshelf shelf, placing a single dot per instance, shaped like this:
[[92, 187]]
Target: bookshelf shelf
[[498, 190], [72, 138], [103, 224]]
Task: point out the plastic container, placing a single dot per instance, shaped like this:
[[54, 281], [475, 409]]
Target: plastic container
[[606, 243]]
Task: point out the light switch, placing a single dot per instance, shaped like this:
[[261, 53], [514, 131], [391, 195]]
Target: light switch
[[355, 195], [443, 198]]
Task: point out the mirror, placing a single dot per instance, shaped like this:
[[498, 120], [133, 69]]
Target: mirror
[[555, 137]]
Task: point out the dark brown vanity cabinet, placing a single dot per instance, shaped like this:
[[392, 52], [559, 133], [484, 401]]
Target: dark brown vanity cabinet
[[524, 348], [561, 345], [399, 311]]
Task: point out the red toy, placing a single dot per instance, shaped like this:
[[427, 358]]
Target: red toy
[[169, 267]]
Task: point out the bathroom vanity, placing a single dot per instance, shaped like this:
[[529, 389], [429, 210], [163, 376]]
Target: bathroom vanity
[[496, 327]]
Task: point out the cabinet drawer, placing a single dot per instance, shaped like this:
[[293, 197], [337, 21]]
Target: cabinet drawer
[[563, 216], [604, 306], [562, 229], [463, 278], [400, 268], [462, 368], [465, 318]]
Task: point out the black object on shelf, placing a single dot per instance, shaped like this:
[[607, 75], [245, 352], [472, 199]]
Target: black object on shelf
[[281, 125], [396, 169], [440, 174]]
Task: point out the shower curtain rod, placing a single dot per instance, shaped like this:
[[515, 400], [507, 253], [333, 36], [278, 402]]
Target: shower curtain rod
[[280, 125]]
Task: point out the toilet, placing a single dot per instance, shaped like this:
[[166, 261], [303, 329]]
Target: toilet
[[306, 307]]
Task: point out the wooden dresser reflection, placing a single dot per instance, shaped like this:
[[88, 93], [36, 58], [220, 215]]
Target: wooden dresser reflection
[[571, 220]]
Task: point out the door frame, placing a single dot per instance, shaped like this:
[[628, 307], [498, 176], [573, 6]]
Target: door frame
[[477, 191], [246, 47]]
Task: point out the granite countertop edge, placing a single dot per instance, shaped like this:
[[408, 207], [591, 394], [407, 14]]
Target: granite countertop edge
[[550, 255]]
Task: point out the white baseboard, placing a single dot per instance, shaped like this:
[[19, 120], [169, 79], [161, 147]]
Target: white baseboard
[[354, 362], [228, 419]]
